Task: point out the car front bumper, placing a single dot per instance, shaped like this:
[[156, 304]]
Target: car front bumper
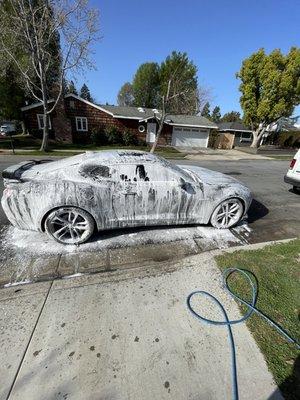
[[292, 181]]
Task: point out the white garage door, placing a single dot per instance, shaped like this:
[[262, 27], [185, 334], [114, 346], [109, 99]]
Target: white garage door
[[193, 137]]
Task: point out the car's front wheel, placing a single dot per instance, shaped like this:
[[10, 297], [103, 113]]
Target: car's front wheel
[[296, 189], [69, 225], [227, 214]]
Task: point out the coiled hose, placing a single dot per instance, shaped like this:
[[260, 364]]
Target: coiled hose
[[227, 322]]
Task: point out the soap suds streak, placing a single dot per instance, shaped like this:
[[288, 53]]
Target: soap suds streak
[[156, 193]]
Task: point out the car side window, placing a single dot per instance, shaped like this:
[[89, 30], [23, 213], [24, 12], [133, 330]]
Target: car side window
[[95, 172], [130, 173], [146, 172]]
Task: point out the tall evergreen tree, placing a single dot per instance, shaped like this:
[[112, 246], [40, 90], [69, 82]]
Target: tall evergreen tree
[[216, 114], [182, 73], [145, 85], [85, 93], [71, 88], [232, 116], [206, 111]]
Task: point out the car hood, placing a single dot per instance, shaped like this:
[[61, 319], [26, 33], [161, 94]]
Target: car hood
[[210, 177]]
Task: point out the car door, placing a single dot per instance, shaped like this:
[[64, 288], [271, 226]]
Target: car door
[[151, 193]]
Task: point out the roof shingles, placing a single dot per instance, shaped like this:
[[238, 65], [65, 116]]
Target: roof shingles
[[171, 119]]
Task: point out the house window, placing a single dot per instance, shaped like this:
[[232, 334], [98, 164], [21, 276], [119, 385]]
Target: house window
[[81, 124], [40, 119], [72, 104]]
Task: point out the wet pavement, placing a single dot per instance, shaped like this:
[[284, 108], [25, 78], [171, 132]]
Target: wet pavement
[[273, 215], [32, 256]]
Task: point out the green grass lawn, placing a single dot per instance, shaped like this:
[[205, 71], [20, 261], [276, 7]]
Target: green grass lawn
[[28, 145], [277, 269]]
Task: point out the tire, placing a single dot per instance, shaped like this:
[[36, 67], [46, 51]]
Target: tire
[[296, 189], [227, 214], [69, 225]]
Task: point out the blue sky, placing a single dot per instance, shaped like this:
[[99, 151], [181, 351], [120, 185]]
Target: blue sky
[[217, 36]]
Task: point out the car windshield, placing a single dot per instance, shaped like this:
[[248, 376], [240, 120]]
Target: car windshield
[[175, 168]]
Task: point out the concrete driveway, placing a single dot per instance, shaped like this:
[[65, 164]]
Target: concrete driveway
[[125, 336]]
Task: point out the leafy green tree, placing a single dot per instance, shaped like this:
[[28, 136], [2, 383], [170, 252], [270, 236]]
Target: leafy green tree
[[85, 93], [125, 95], [145, 85], [71, 88], [216, 114], [270, 88], [232, 116], [206, 111], [181, 72]]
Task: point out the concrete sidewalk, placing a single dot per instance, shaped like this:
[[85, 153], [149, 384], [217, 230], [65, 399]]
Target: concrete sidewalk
[[219, 154], [125, 335]]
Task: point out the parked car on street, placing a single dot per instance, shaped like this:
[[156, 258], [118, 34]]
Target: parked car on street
[[293, 175], [72, 198], [7, 129]]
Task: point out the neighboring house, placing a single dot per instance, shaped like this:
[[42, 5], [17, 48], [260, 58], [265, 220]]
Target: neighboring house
[[74, 119], [243, 135]]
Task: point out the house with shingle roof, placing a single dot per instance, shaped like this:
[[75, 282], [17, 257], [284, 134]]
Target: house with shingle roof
[[243, 134], [74, 119]]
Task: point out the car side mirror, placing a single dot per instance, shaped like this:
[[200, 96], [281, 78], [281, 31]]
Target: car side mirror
[[182, 183], [187, 186]]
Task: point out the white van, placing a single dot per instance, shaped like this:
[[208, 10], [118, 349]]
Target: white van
[[293, 175]]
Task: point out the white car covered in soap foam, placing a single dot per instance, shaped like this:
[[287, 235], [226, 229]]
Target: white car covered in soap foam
[[72, 198], [293, 175]]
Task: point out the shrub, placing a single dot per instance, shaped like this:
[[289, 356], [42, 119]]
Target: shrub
[[289, 139], [37, 133], [213, 139], [98, 137], [113, 135], [129, 138]]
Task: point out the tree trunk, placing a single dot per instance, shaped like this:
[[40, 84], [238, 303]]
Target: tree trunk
[[257, 135], [161, 125], [44, 145], [24, 130]]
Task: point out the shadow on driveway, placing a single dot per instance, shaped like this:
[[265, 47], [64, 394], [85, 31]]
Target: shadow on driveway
[[257, 211]]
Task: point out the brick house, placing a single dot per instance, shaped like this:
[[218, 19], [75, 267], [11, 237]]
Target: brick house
[[74, 119]]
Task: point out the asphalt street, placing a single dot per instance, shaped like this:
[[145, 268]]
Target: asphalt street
[[275, 211]]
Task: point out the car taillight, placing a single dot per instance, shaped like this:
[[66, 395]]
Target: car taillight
[[293, 162]]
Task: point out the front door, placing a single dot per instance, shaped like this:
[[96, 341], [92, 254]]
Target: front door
[[151, 132]]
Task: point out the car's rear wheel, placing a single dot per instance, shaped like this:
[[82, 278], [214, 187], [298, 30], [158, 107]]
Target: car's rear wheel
[[69, 225], [227, 214]]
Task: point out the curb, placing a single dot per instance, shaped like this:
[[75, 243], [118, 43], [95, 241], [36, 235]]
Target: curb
[[116, 260]]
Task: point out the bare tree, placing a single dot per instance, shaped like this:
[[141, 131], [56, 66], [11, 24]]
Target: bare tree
[[33, 26], [204, 95], [176, 100]]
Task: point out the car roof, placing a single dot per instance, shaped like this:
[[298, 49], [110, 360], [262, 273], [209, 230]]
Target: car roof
[[120, 156], [111, 157]]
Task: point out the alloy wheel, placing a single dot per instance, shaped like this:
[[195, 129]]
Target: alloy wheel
[[69, 225], [227, 214]]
